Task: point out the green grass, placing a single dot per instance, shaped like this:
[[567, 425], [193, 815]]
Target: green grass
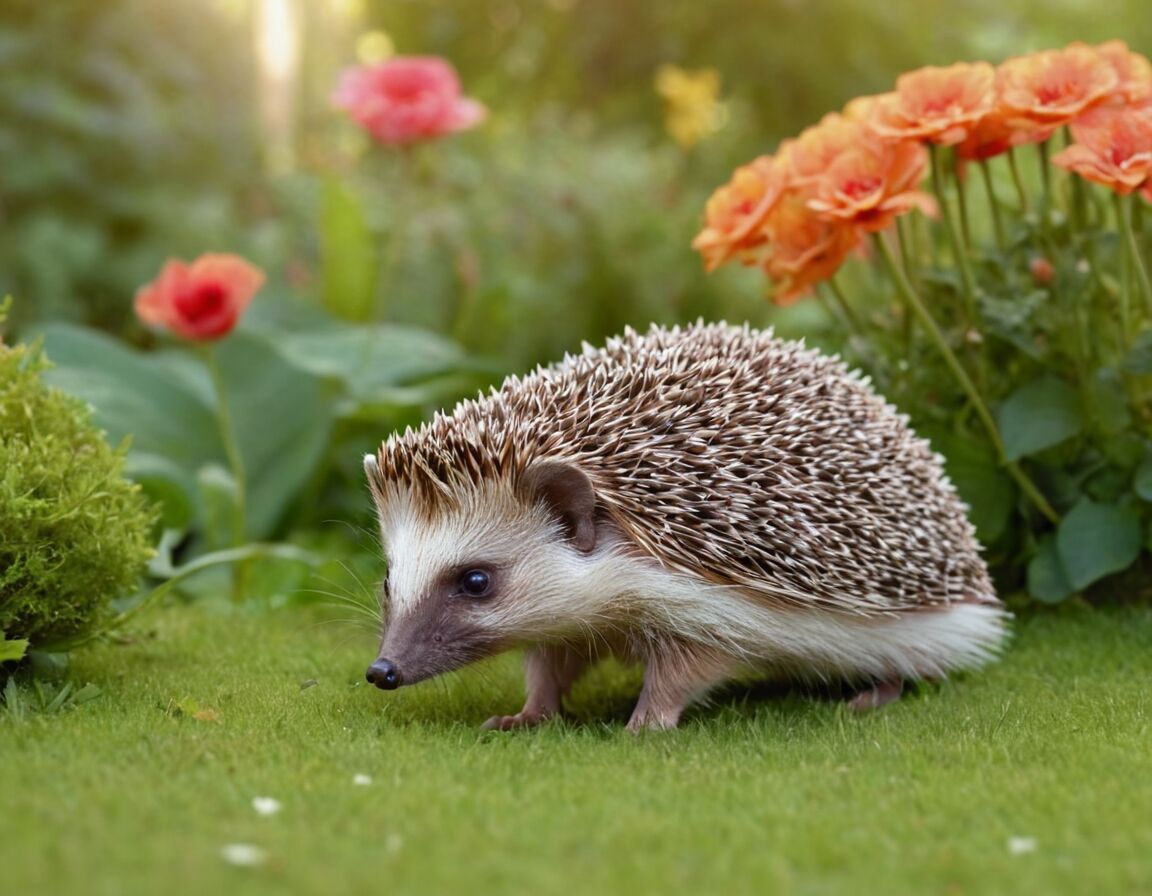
[[131, 792]]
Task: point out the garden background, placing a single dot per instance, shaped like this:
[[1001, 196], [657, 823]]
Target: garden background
[[134, 131]]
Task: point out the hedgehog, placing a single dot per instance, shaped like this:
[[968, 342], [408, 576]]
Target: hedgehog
[[710, 501]]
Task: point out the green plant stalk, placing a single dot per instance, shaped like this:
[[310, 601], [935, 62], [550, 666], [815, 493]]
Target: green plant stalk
[[845, 307], [1018, 181], [962, 203], [993, 205], [962, 378], [1123, 205], [1045, 177], [227, 428], [959, 247]]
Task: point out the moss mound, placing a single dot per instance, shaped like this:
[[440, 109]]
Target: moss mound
[[74, 534]]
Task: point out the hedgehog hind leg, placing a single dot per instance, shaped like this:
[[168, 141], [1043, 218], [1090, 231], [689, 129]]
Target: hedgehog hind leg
[[549, 673], [879, 694], [677, 674]]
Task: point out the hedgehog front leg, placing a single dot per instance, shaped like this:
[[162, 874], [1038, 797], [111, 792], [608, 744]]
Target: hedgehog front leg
[[676, 675], [549, 672]]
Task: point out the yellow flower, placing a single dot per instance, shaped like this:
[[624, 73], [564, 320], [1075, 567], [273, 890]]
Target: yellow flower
[[692, 110]]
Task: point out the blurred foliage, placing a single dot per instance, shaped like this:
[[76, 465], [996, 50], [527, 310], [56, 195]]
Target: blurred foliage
[[117, 148]]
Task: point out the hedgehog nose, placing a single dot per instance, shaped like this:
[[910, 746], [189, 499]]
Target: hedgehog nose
[[384, 675]]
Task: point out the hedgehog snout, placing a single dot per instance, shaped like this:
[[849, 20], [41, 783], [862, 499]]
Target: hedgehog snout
[[384, 674]]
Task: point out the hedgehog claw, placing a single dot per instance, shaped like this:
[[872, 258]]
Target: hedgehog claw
[[880, 694], [520, 720]]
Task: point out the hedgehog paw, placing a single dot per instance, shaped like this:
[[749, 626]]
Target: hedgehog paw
[[880, 694], [520, 720], [652, 722]]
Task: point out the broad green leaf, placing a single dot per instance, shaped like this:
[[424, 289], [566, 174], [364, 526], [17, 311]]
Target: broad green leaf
[[369, 360], [1108, 402], [132, 395], [1038, 415], [1139, 358], [1142, 482], [283, 418], [1047, 581], [1094, 540], [12, 650], [348, 253], [987, 490], [167, 483], [282, 413]]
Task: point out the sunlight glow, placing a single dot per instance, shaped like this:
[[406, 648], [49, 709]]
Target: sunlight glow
[[277, 39]]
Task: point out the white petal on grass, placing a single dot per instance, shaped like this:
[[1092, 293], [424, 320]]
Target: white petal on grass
[[1021, 846], [265, 805], [243, 855], [361, 780]]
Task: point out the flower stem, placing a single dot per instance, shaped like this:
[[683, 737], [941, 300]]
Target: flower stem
[[962, 378], [227, 429], [1124, 216], [959, 247], [845, 307], [993, 205], [1045, 175], [962, 205], [1021, 194]]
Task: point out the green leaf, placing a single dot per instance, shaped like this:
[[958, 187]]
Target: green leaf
[[282, 414], [1139, 358], [1043, 413], [165, 482], [1142, 482], [981, 483], [348, 253], [1108, 401], [1047, 581], [283, 418], [12, 650], [371, 362], [1095, 540]]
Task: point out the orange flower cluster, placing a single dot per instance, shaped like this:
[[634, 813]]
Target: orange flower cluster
[[799, 214]]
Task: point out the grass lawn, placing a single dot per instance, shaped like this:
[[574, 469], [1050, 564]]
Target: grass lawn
[[1035, 777]]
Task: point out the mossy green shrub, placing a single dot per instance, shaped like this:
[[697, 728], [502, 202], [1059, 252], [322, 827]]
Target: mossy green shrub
[[74, 533]]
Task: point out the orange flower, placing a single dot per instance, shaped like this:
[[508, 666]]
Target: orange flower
[[939, 105], [871, 183], [1133, 71], [803, 248], [809, 155], [1113, 147], [736, 211], [860, 108], [201, 301], [1052, 87]]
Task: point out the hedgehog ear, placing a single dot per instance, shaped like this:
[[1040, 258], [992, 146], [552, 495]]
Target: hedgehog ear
[[568, 493]]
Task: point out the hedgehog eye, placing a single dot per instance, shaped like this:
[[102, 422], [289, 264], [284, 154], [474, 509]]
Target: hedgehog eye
[[475, 583]]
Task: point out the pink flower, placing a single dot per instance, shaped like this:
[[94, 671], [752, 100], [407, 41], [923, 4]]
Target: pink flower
[[407, 99], [201, 301]]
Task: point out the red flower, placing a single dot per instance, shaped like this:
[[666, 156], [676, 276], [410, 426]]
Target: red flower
[[407, 99], [201, 301], [1113, 147]]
